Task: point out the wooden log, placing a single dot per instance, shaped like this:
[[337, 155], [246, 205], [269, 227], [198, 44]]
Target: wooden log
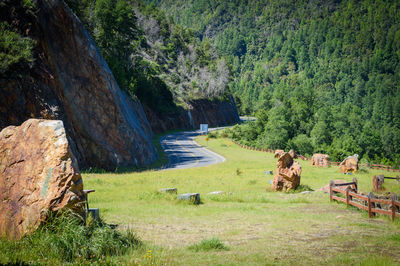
[[331, 183], [336, 189], [339, 199], [382, 201], [358, 205], [358, 196], [393, 208], [381, 211], [347, 196], [369, 206], [355, 186], [343, 184]]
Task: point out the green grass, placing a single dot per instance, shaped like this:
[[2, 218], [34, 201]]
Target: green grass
[[258, 225], [66, 238], [209, 245]]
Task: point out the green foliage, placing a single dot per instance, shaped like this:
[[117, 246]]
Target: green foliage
[[14, 49], [326, 74], [151, 57], [66, 239], [209, 245]]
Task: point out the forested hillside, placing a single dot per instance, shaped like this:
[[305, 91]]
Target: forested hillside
[[161, 63], [322, 76]]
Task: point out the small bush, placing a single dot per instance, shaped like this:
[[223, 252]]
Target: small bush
[[66, 238], [212, 135], [15, 49], [208, 245], [238, 172]]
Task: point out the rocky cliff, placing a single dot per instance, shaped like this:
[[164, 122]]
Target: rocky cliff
[[70, 81], [203, 111]]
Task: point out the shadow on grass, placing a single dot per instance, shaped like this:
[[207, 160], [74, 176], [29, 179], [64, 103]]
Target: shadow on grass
[[160, 163]]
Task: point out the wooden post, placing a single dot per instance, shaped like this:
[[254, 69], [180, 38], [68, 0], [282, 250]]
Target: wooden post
[[331, 183], [369, 206], [394, 208], [355, 184], [374, 184], [347, 196]]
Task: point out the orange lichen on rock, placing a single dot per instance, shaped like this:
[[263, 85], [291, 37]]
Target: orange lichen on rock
[[287, 173], [321, 160], [350, 164], [38, 175]]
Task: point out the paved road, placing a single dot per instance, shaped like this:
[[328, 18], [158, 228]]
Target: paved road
[[183, 152]]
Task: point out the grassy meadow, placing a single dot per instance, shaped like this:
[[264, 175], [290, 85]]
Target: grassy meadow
[[249, 223]]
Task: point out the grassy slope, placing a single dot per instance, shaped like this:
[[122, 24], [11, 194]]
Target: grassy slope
[[257, 226]]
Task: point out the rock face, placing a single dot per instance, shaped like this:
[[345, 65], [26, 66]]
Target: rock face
[[293, 154], [321, 160], [287, 173], [38, 175], [278, 153], [203, 111], [350, 164], [71, 82]]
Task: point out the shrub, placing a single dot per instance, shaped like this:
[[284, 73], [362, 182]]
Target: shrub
[[66, 238], [209, 244], [14, 48]]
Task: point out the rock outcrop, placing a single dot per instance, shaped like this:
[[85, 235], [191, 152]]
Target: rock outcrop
[[293, 154], [350, 164], [38, 175], [278, 153], [287, 173], [71, 82], [321, 160], [203, 111]]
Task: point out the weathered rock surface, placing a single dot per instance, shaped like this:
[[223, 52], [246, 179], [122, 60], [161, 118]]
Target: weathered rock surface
[[278, 153], [293, 154], [321, 160], [287, 173], [38, 175], [71, 82], [203, 111], [350, 164]]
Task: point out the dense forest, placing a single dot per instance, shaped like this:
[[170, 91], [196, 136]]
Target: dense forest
[[321, 76], [163, 64]]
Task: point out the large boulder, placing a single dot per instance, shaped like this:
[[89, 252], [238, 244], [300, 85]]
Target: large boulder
[[38, 175], [70, 81], [321, 160], [287, 173], [293, 154], [350, 164], [278, 153]]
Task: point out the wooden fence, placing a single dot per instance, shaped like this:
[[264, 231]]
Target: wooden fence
[[368, 203], [377, 182], [384, 167]]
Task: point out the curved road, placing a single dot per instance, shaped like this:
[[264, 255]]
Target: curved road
[[184, 152]]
